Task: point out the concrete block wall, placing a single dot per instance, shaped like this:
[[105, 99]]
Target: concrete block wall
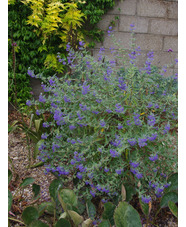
[[156, 23]]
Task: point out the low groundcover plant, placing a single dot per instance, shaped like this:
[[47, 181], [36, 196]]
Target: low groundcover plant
[[109, 125]]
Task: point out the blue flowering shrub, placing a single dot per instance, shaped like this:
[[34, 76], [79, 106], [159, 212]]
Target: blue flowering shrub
[[109, 125]]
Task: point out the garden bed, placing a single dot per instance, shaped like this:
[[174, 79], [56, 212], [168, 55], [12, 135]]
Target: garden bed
[[18, 152]]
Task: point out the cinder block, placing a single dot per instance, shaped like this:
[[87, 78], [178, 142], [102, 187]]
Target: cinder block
[[125, 7], [106, 22], [116, 8], [151, 8], [141, 24], [149, 42], [170, 72], [170, 43], [107, 53], [123, 40], [128, 7], [164, 27], [162, 59], [173, 10]]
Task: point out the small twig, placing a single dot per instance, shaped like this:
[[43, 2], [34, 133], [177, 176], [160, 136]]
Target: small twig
[[13, 219], [31, 203]]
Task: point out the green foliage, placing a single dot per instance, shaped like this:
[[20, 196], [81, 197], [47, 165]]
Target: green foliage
[[22, 52], [169, 196], [10, 198], [63, 222], [104, 223], [126, 215], [9, 176], [38, 223], [173, 208], [54, 187], [91, 210], [108, 212], [30, 214], [27, 181], [144, 207], [36, 190], [173, 180]]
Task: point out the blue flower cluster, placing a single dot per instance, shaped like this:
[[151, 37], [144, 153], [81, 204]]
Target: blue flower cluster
[[102, 117]]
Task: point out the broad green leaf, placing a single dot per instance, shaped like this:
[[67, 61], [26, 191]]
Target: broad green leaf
[[91, 210], [87, 223], [10, 198], [76, 218], [126, 215], [173, 208], [37, 124], [36, 190], [63, 222], [54, 188], [41, 208], [63, 215], [81, 207], [144, 207], [104, 223], [130, 191], [174, 183], [30, 214], [123, 192], [38, 223], [68, 197], [108, 212], [170, 196], [9, 176], [27, 181], [36, 150]]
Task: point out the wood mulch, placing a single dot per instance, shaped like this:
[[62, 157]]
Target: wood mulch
[[18, 153]]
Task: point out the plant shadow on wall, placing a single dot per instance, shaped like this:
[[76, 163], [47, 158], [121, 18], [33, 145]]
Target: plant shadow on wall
[[110, 128]]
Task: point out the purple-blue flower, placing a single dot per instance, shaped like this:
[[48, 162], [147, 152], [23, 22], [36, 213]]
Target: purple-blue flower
[[120, 126], [30, 73], [139, 175], [142, 142], [44, 136], [28, 103], [167, 128], [83, 107], [118, 171], [152, 120], [66, 99], [119, 108], [46, 125], [71, 127], [102, 123], [106, 170], [114, 153], [41, 98], [109, 111], [132, 142], [128, 123], [92, 193], [85, 88], [153, 137], [95, 112], [72, 162], [136, 119], [150, 105], [133, 171], [134, 164], [153, 158], [146, 199], [79, 175]]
